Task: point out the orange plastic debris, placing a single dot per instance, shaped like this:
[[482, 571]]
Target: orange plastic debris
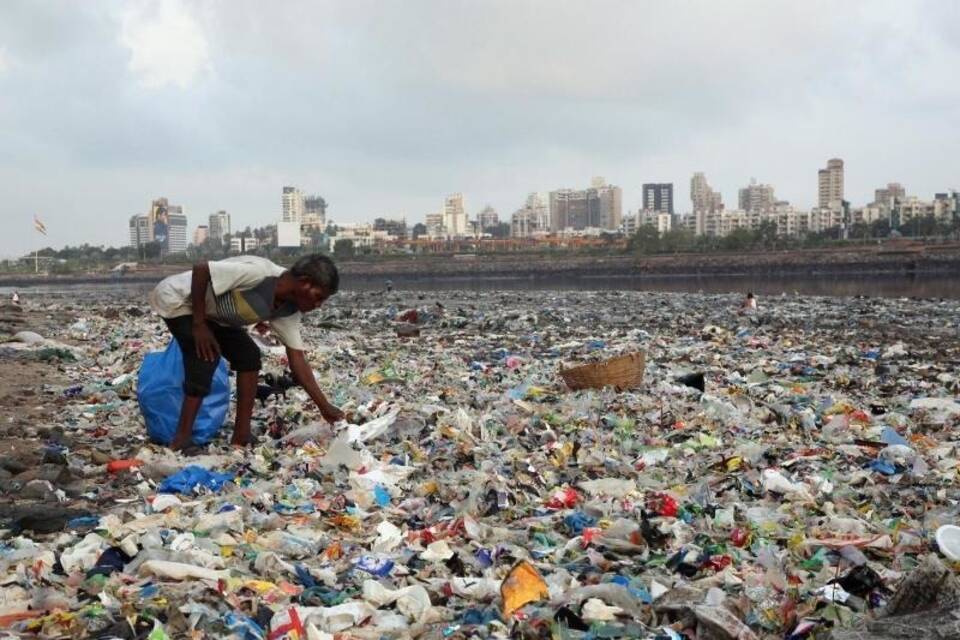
[[522, 585], [116, 466]]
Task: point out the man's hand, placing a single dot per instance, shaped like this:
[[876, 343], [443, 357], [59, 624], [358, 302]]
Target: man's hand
[[207, 347], [262, 328], [331, 413], [303, 375]]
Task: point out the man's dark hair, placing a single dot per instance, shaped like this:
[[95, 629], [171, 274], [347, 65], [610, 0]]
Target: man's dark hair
[[320, 270]]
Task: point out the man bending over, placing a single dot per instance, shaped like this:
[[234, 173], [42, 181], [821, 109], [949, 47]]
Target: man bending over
[[208, 309]]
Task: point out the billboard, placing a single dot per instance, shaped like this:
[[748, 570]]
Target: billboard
[[288, 234], [161, 228]]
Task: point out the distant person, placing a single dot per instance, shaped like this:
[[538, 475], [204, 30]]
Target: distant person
[[208, 309], [749, 304], [389, 286], [15, 299]]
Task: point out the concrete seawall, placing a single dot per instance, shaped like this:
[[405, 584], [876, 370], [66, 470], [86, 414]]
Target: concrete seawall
[[934, 259]]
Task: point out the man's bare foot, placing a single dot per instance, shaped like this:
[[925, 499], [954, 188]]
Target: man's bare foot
[[242, 442], [180, 442]]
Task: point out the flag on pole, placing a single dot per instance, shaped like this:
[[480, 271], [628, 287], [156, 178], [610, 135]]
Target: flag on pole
[[39, 226]]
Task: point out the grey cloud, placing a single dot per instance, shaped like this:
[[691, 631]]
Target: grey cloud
[[386, 106]]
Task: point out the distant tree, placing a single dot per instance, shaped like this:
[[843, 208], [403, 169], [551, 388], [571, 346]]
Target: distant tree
[[331, 229], [740, 239], [921, 226], [859, 231], [317, 238], [418, 230], [151, 250], [646, 240], [343, 248], [767, 234], [677, 240], [499, 230]]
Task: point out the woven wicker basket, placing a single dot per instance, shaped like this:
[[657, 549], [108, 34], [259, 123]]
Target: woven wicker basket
[[624, 372]]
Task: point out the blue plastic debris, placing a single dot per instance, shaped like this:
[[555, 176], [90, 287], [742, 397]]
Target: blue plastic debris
[[375, 566], [381, 495], [484, 558], [304, 576], [577, 521], [635, 589], [243, 627], [885, 467], [83, 523], [193, 478], [479, 616], [890, 436]]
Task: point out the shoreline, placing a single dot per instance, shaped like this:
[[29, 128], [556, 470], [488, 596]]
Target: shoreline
[[865, 261]]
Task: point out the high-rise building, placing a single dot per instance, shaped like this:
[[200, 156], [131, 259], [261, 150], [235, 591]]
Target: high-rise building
[[454, 215], [176, 233], [219, 226], [139, 230], [757, 197], [568, 209], [704, 198], [292, 202], [396, 228], [242, 243], [596, 207], [533, 218], [488, 218], [887, 197], [610, 214], [658, 197], [164, 224], [830, 183], [200, 234], [434, 224], [315, 211]]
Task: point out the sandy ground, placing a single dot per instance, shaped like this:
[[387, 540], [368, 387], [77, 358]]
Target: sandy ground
[[29, 404], [27, 398]]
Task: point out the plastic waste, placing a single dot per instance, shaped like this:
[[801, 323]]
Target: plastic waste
[[179, 571], [948, 541], [522, 586], [761, 508], [192, 479]]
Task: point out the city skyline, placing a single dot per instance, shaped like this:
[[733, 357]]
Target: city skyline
[[598, 209], [219, 106]]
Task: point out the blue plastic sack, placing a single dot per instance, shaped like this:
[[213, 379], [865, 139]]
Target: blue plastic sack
[[160, 394]]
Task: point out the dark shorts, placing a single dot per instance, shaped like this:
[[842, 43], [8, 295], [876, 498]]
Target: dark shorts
[[236, 346]]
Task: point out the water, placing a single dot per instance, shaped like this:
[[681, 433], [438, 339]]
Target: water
[[884, 286]]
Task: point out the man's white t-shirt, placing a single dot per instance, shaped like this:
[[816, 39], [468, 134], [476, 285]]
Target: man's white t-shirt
[[240, 294]]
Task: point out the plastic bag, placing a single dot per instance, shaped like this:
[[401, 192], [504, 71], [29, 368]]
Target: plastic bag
[[522, 586], [160, 394], [190, 479]]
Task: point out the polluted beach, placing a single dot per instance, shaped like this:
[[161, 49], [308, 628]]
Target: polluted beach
[[479, 320], [776, 473]]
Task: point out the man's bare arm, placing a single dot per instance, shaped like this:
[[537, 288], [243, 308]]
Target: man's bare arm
[[206, 343], [303, 375]]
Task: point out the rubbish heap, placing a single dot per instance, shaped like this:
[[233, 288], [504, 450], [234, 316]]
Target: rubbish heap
[[470, 494]]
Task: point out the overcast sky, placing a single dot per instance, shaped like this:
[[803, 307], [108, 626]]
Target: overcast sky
[[384, 107]]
